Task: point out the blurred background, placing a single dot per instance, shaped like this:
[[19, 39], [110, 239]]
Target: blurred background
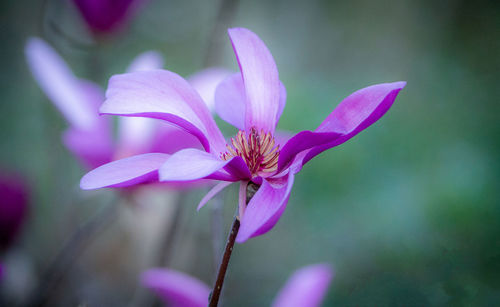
[[406, 212]]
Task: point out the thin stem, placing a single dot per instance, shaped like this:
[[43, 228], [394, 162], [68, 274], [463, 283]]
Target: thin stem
[[214, 297]]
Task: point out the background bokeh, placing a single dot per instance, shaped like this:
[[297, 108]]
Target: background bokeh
[[406, 212]]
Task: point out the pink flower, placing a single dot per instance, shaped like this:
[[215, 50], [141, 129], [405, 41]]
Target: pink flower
[[89, 136], [105, 16], [306, 287], [14, 197], [252, 101]]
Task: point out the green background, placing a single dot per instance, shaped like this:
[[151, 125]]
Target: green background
[[406, 212]]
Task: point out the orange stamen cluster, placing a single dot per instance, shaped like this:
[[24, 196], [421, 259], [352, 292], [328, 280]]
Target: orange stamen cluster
[[258, 150]]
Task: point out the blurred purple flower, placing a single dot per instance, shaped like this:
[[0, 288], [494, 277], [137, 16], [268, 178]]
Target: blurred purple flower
[[252, 101], [90, 135], [105, 16], [14, 197], [305, 288]]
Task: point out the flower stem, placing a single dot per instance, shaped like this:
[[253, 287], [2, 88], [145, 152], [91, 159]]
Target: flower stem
[[215, 295], [214, 298]]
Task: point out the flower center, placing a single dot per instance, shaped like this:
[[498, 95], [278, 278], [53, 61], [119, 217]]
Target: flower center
[[258, 150]]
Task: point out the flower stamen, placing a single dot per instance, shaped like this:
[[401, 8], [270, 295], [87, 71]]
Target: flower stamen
[[256, 148]]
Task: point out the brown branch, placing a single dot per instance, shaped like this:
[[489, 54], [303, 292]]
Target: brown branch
[[215, 295]]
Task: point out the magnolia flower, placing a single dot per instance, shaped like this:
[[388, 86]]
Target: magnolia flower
[[104, 16], [305, 288], [90, 135], [252, 101]]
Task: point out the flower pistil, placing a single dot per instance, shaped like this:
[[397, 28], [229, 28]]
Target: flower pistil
[[257, 149]]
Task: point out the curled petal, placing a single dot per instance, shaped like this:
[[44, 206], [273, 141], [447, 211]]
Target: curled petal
[[205, 82], [354, 114], [164, 95], [265, 208], [125, 172], [191, 164], [230, 101], [176, 288], [135, 135], [306, 287], [260, 76], [303, 140], [59, 84]]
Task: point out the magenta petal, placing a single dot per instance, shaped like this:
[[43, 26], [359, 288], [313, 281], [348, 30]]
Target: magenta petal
[[59, 84], [354, 114], [230, 101], [125, 172], [205, 82], [176, 288], [106, 15], [14, 207], [260, 76], [302, 141], [164, 95], [265, 209], [191, 164], [306, 287]]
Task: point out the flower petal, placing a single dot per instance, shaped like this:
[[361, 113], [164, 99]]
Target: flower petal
[[260, 76], [148, 60], [242, 198], [170, 139], [135, 135], [176, 288], [94, 148], [306, 287], [106, 16], [355, 113], [59, 84], [164, 95], [191, 164], [214, 191], [125, 172], [205, 82], [265, 208], [230, 101]]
